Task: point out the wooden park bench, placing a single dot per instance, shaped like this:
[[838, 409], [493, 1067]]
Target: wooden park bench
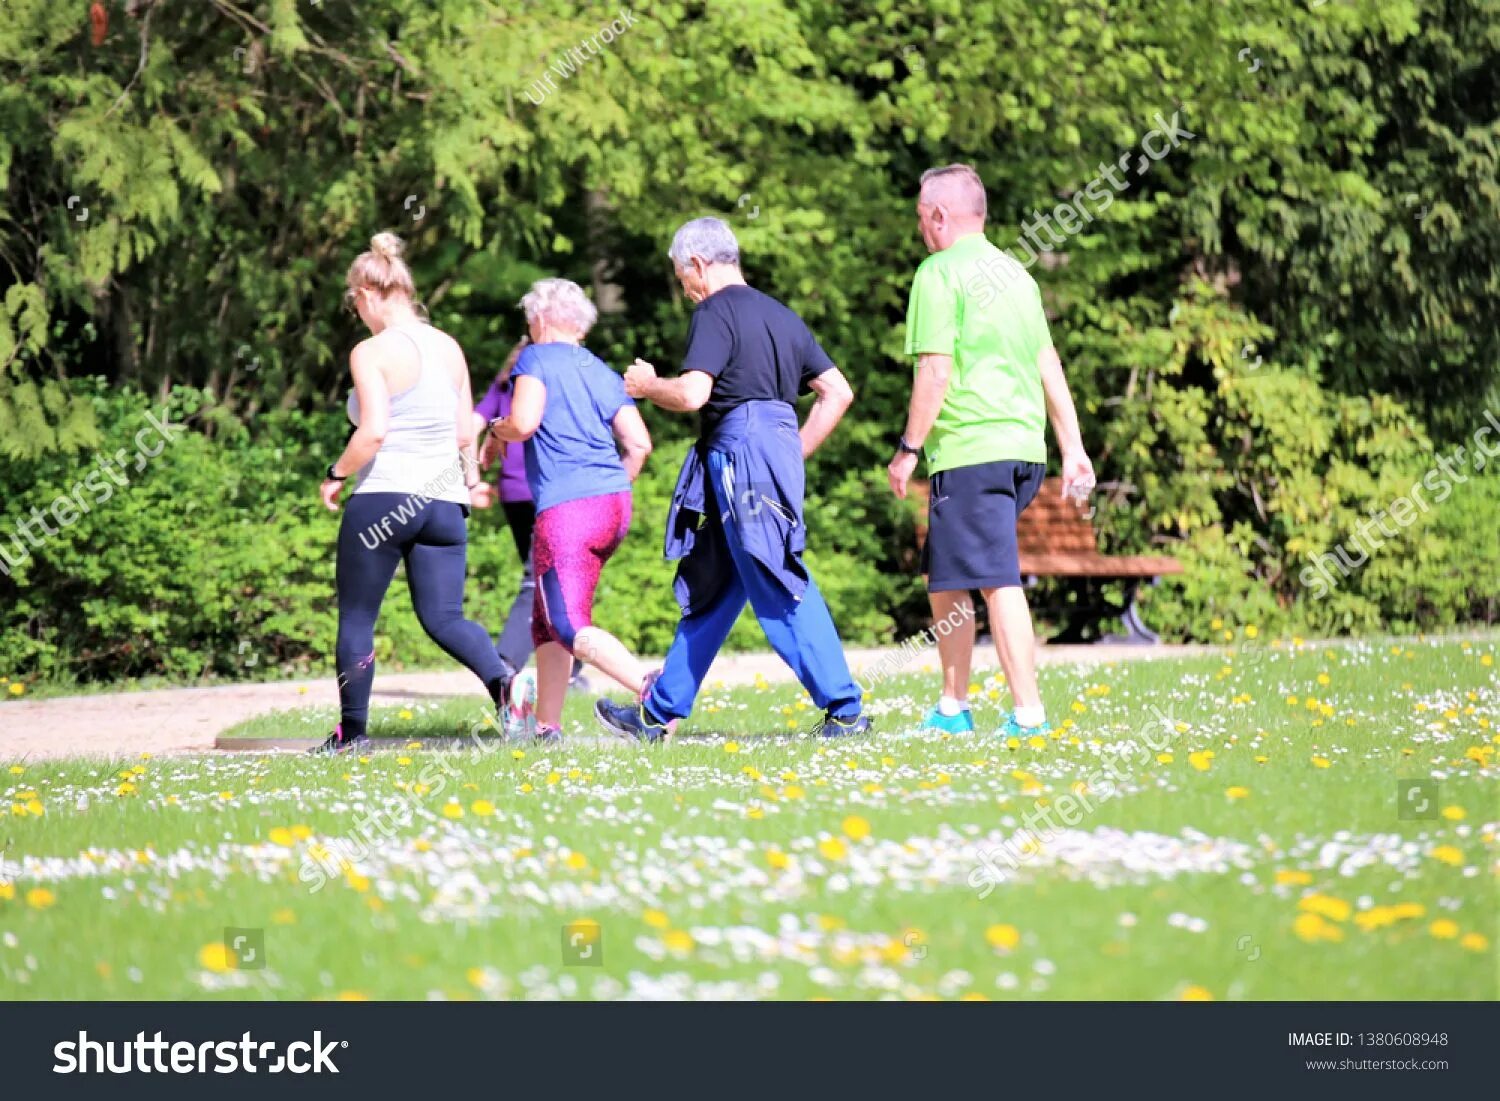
[[1057, 539]]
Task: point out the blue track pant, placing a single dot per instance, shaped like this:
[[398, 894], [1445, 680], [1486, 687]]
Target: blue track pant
[[801, 632]]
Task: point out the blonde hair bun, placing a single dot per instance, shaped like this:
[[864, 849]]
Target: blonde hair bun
[[381, 269]]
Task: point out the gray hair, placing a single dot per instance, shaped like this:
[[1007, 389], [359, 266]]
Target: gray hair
[[958, 186], [709, 239], [562, 302]]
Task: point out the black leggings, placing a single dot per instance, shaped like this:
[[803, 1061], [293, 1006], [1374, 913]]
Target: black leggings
[[380, 531], [515, 637]]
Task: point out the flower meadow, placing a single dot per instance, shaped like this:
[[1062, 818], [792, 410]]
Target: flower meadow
[[1280, 822]]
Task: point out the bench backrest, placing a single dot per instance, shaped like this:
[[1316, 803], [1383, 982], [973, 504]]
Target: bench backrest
[[1055, 525]]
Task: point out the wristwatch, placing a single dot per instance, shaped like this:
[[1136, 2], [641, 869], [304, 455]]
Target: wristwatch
[[904, 448], [332, 477]]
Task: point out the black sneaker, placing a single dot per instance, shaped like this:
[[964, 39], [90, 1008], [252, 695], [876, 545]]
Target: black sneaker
[[630, 720], [337, 744], [832, 727]]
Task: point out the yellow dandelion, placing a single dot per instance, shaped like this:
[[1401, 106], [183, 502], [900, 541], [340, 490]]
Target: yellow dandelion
[[1003, 937], [1448, 854], [483, 807], [677, 940], [1164, 758], [856, 828], [452, 810], [216, 958], [1453, 814], [1326, 906], [1201, 760], [1293, 877], [17, 688], [577, 861], [778, 859], [1237, 793], [7, 891], [1314, 927], [284, 916], [1474, 942], [731, 747], [16, 770], [1443, 929], [39, 898], [1195, 993], [282, 836], [833, 849], [1320, 762], [404, 714], [353, 996]]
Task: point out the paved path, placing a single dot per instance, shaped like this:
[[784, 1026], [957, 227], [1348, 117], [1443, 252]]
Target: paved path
[[189, 719]]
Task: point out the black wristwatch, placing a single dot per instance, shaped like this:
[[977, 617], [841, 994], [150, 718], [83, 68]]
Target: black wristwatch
[[332, 477], [904, 448]]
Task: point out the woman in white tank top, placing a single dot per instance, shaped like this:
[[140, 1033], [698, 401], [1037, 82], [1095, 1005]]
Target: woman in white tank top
[[413, 453]]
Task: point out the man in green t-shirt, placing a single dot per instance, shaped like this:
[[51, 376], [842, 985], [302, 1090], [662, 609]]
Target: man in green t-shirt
[[987, 377]]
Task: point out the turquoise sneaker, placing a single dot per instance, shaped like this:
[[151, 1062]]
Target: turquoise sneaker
[[1012, 729], [962, 723]]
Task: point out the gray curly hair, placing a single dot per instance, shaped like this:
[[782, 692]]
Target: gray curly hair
[[562, 302]]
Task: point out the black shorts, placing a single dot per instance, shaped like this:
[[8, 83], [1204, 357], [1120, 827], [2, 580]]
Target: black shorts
[[971, 534]]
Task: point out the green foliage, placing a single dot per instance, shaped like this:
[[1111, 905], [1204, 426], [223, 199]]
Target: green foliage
[[178, 204]]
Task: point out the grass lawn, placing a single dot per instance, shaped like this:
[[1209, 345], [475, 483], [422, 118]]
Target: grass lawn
[[1240, 827]]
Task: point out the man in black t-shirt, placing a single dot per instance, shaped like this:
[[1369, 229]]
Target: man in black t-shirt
[[736, 521]]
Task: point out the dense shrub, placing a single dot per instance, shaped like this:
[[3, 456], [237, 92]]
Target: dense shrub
[[217, 558]]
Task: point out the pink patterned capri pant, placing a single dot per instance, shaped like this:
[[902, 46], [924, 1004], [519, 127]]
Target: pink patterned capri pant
[[571, 543]]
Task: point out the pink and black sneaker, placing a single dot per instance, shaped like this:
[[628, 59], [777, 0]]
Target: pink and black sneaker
[[337, 744]]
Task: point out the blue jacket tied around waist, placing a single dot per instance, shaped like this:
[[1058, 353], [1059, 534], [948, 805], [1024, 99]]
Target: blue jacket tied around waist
[[762, 495]]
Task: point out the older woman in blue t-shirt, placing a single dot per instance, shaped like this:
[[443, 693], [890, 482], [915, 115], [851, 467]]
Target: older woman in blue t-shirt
[[569, 409]]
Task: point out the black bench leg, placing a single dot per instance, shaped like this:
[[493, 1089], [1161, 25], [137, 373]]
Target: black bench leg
[[1136, 631], [1082, 625]]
